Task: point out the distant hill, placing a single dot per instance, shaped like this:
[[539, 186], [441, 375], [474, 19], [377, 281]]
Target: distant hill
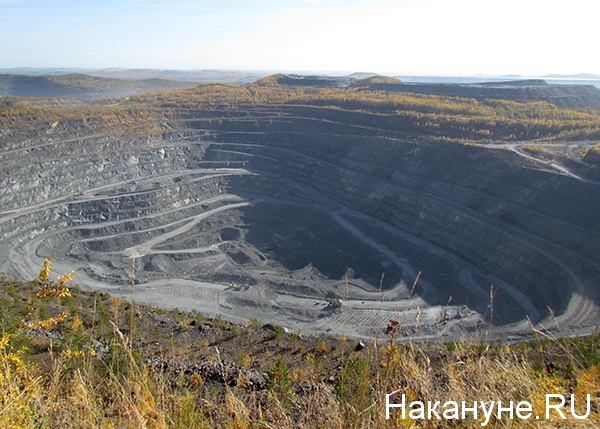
[[315, 80], [84, 84], [573, 76], [81, 86], [325, 81], [569, 96], [196, 76]]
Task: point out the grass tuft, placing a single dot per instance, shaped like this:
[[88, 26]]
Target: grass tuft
[[73, 359]]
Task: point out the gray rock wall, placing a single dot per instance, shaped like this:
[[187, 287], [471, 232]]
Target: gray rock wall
[[297, 207]]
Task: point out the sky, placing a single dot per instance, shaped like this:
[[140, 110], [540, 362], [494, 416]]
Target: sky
[[394, 37]]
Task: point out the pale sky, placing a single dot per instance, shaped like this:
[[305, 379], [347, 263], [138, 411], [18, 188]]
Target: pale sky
[[428, 37]]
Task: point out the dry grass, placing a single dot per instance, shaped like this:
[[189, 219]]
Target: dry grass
[[82, 385]]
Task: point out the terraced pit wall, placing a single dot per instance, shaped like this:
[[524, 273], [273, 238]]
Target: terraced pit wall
[[271, 213]]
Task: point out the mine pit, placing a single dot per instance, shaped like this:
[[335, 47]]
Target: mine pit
[[299, 212]]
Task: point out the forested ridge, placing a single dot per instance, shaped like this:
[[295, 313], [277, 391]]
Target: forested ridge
[[405, 114], [397, 115]]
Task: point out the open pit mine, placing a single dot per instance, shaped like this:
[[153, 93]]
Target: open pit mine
[[315, 217]]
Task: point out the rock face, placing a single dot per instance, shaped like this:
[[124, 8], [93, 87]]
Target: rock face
[[297, 211]]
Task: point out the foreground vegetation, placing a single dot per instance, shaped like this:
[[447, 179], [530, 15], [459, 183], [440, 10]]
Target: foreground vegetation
[[78, 359]]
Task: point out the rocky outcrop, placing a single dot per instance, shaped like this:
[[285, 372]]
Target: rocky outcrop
[[219, 372]]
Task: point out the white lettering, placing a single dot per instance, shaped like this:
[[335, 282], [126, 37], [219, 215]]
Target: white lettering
[[487, 412], [432, 410], [466, 409], [556, 407], [574, 414], [417, 410], [389, 405], [451, 410], [509, 410], [522, 408]]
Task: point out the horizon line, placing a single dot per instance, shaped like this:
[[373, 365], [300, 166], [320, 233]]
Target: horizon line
[[40, 69]]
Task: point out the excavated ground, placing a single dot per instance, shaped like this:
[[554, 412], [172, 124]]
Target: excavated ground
[[272, 215]]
